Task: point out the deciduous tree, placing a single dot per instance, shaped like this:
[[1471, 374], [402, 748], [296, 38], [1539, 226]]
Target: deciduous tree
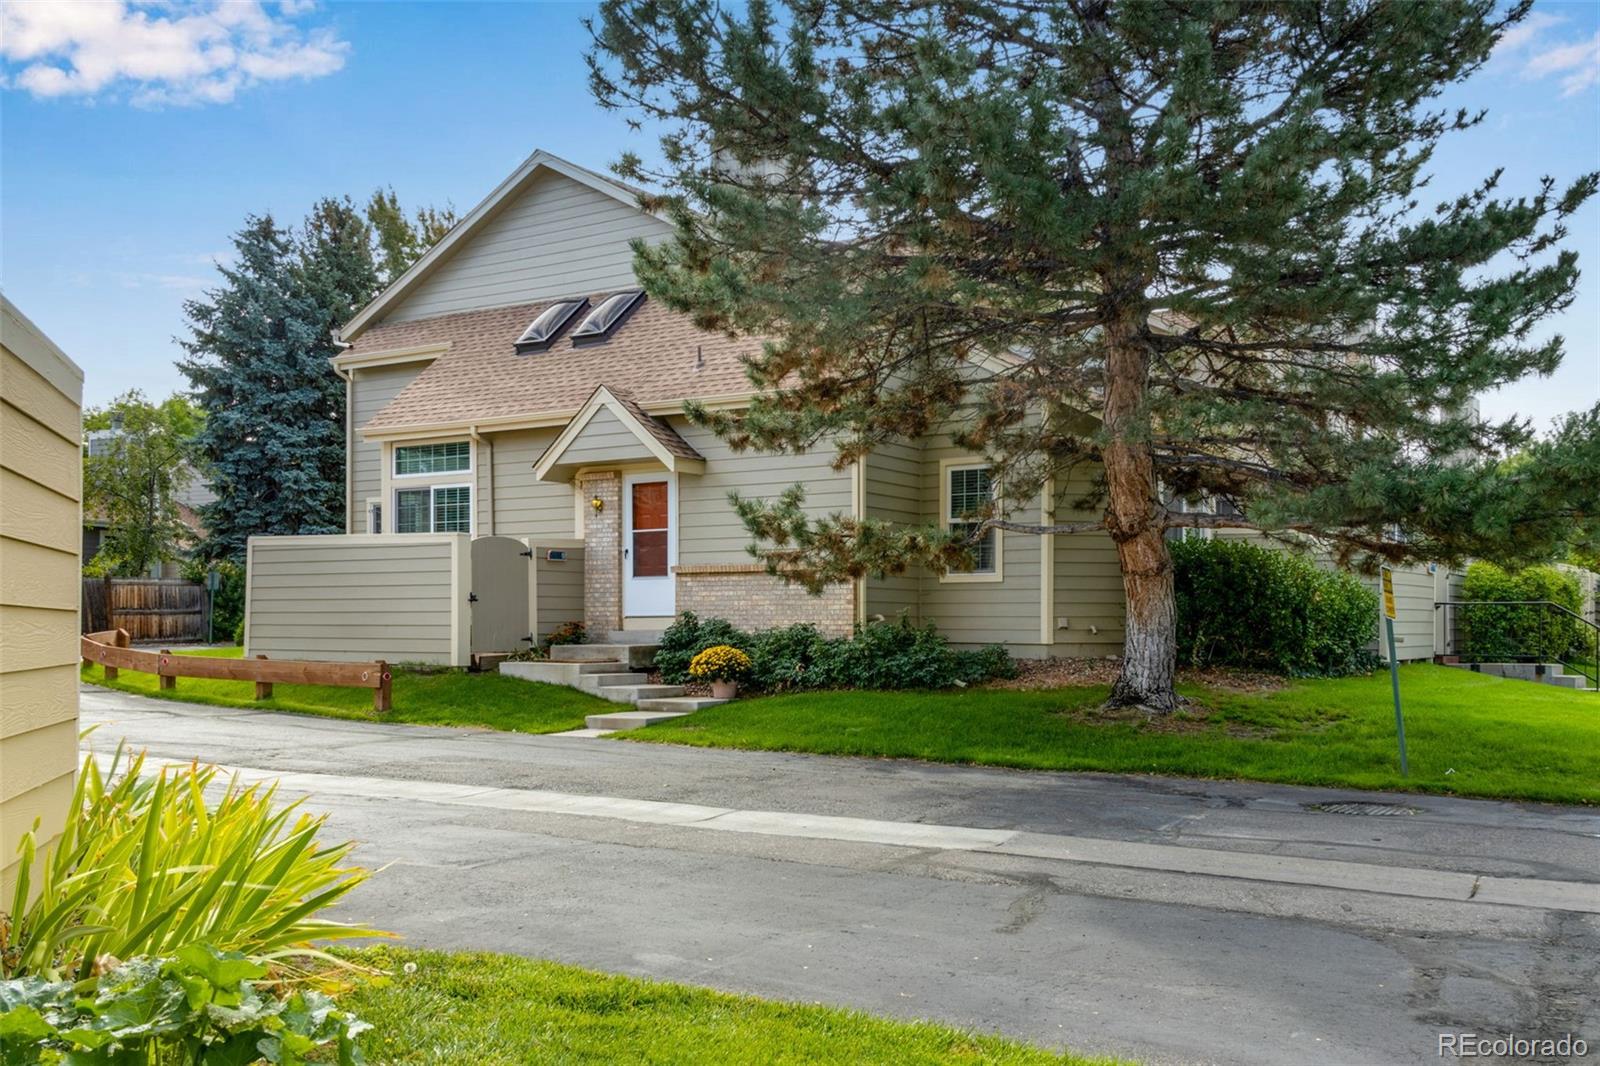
[[140, 457]]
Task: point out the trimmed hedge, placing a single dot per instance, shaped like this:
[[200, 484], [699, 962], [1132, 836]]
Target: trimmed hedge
[[1261, 608], [1497, 634], [882, 655]]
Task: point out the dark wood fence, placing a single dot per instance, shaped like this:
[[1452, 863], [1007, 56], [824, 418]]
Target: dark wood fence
[[149, 609]]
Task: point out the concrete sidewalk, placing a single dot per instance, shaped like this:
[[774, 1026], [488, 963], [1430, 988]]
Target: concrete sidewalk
[[1160, 919]]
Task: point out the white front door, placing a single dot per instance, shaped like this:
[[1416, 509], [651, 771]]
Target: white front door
[[649, 544]]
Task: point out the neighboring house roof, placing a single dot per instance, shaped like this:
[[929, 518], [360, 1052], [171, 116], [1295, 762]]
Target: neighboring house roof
[[654, 359], [537, 163]]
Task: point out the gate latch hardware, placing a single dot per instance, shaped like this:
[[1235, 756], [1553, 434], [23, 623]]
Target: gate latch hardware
[[528, 553]]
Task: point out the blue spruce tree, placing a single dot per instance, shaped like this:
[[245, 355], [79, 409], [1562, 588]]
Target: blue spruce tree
[[257, 360]]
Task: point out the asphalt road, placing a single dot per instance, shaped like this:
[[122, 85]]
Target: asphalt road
[[1065, 909]]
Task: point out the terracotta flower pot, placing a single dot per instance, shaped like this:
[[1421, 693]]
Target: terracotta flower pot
[[724, 690]]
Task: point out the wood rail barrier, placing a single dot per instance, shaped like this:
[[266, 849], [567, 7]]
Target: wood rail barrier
[[110, 649]]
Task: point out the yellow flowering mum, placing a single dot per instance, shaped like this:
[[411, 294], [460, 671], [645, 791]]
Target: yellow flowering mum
[[720, 662]]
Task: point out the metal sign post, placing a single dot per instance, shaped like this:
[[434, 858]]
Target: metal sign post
[[1394, 664]]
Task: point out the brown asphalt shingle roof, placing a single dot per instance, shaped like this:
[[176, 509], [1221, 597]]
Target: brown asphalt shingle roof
[[658, 429], [651, 358]]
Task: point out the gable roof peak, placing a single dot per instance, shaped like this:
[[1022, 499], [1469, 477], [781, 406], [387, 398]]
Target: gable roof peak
[[539, 162]]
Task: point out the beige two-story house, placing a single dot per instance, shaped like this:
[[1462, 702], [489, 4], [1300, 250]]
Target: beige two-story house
[[516, 382]]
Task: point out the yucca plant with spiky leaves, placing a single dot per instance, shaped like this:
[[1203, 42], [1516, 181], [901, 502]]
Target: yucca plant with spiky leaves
[[146, 866]]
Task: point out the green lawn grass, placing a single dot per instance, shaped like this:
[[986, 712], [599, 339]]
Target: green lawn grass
[[496, 1010], [1468, 734], [450, 697]]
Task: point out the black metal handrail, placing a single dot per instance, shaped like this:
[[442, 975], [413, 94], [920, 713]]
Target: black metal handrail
[[1590, 670]]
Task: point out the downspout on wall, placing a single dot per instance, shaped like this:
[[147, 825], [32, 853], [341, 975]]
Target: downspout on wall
[[487, 462], [349, 447]]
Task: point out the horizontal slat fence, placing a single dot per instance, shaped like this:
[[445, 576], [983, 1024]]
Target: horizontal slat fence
[[150, 610], [110, 649]]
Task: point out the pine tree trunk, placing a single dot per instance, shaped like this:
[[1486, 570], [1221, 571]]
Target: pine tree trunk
[[1149, 647], [1149, 643]]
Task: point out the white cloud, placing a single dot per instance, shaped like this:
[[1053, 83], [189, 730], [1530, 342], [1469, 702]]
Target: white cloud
[[1534, 43], [1522, 34], [159, 52], [1577, 62]]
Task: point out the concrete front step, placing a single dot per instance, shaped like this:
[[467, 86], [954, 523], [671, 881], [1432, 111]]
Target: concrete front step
[[613, 723], [680, 704], [635, 693], [634, 636], [559, 673], [596, 682], [1544, 673], [635, 655]]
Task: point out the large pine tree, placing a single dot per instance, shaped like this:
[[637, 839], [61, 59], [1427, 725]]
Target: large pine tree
[[1177, 245]]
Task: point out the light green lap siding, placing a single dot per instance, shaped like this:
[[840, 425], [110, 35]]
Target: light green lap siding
[[560, 586], [604, 439], [893, 482], [708, 529], [1087, 617], [371, 391], [524, 506], [348, 599], [980, 612]]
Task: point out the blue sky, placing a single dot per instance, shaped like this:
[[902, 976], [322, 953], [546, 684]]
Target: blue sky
[[133, 141]]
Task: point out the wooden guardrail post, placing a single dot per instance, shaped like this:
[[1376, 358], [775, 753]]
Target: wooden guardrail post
[[263, 688], [123, 640], [381, 700], [165, 681]]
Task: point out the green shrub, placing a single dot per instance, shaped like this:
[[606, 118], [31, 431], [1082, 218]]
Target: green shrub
[[783, 658], [566, 633], [227, 602], [882, 655], [145, 866], [687, 637], [1244, 605], [198, 1006], [1500, 633]]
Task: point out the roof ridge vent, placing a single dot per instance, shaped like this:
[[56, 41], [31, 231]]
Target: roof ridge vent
[[544, 329]]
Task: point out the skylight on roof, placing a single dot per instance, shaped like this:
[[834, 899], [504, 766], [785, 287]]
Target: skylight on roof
[[607, 316], [542, 330]]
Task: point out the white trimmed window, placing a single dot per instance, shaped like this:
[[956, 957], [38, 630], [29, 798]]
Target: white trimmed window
[[434, 509], [968, 490], [421, 460]]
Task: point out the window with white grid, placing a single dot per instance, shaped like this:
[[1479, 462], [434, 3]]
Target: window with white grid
[[970, 492], [412, 460]]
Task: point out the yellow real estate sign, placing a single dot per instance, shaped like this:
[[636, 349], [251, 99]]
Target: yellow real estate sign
[[1388, 594]]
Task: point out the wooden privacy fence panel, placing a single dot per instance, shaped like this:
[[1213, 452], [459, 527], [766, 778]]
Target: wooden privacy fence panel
[[149, 609], [110, 649]]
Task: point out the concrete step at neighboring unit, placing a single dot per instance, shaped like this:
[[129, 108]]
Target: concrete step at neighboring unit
[[635, 693], [596, 682], [613, 723], [635, 655], [559, 673], [680, 704]]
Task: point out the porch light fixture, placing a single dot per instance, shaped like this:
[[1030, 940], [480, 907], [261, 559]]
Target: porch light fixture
[[598, 504]]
